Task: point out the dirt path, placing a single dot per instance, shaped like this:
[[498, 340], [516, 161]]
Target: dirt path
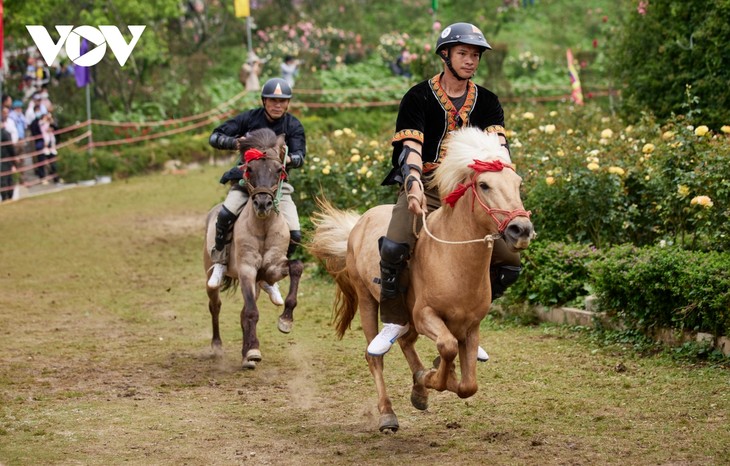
[[104, 345]]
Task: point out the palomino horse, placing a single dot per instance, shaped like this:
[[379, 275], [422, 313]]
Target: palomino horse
[[449, 292], [259, 245]]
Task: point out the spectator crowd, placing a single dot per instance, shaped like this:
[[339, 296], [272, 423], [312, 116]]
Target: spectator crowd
[[28, 147]]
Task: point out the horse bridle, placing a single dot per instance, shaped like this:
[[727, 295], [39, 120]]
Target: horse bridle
[[478, 167], [273, 191]]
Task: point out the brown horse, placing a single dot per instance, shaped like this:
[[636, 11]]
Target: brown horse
[[259, 245], [449, 292]]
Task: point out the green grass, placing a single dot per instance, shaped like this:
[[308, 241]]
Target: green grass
[[104, 343]]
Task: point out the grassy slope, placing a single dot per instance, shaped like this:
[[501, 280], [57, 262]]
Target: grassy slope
[[104, 344]]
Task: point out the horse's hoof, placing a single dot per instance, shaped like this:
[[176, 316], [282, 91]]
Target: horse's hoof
[[253, 355], [285, 325], [418, 400], [217, 347], [248, 364], [388, 423]]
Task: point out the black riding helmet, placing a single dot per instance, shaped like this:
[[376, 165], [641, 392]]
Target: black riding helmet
[[460, 33], [276, 88]]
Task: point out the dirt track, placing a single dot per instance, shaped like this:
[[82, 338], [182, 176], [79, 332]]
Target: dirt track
[[104, 340]]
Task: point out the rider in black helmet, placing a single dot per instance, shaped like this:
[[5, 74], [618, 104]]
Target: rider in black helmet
[[273, 113], [428, 112]]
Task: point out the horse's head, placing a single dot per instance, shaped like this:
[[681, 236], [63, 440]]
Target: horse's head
[[263, 154], [477, 169]]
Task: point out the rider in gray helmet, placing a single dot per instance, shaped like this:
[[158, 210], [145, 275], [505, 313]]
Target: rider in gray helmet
[[273, 113], [428, 113], [460, 33]]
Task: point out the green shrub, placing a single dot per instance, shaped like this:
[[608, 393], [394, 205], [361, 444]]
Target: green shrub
[[653, 287], [673, 44], [589, 178], [77, 164], [553, 274], [347, 168]]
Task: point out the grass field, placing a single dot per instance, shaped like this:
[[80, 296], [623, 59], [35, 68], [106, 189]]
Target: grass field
[[105, 349]]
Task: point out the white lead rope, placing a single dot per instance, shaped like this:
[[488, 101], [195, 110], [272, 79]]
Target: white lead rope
[[489, 239]]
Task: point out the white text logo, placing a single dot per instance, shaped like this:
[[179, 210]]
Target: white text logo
[[72, 38]]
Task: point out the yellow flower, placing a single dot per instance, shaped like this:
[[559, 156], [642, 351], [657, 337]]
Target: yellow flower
[[648, 148], [338, 133], [374, 143], [606, 133], [725, 129], [347, 131], [549, 129], [363, 170], [368, 174], [703, 201], [355, 158], [616, 170], [553, 113], [560, 153], [354, 150], [326, 170], [528, 116], [550, 180], [683, 190], [593, 166], [701, 130], [316, 159], [668, 135], [570, 131]]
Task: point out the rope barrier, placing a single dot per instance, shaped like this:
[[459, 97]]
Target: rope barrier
[[115, 142], [217, 113]]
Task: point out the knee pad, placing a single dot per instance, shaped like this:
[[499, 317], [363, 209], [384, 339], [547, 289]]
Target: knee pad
[[393, 257], [393, 254], [223, 226], [295, 239], [501, 277]]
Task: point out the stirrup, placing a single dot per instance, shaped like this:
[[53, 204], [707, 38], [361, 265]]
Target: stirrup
[[216, 277], [273, 292]]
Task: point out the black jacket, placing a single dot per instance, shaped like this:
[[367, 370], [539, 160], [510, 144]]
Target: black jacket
[[426, 115], [224, 137]]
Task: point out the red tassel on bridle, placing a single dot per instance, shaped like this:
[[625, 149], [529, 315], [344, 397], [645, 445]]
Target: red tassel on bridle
[[479, 167], [253, 154]]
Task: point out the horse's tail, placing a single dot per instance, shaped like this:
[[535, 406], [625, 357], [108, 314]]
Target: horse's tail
[[329, 245]]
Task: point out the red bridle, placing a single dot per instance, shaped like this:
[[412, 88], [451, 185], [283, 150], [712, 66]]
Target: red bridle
[[480, 167]]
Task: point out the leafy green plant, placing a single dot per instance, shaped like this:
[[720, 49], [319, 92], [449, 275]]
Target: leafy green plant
[[653, 287], [667, 45], [553, 274]]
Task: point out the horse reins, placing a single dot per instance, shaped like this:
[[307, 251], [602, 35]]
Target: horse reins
[[274, 191], [478, 167]]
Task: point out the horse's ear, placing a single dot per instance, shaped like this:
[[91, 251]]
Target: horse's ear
[[283, 149]]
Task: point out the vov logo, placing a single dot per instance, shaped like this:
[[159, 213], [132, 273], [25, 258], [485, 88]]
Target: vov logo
[[72, 38]]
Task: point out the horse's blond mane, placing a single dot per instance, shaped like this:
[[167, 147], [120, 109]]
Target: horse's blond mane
[[462, 148]]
